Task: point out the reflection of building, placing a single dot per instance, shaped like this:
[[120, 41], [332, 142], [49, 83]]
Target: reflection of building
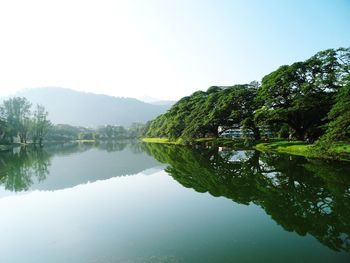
[[235, 156]]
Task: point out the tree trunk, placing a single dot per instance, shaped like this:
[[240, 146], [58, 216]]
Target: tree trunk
[[215, 131], [257, 135], [300, 134]]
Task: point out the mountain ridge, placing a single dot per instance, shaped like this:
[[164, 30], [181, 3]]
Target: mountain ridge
[[67, 106]]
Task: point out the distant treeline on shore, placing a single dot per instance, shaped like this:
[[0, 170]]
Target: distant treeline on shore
[[20, 123]]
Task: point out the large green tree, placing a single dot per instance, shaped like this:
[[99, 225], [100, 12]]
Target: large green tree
[[300, 95], [202, 113], [16, 112], [339, 126], [40, 125]]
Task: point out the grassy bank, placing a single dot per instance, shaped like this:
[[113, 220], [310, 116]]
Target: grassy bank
[[162, 141], [337, 151], [238, 143], [295, 147]]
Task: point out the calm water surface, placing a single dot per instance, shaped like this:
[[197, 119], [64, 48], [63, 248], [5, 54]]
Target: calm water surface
[[151, 203]]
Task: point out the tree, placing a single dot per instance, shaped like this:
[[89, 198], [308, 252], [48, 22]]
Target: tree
[[301, 95], [40, 125], [16, 113], [339, 126], [136, 130], [3, 125], [202, 113]]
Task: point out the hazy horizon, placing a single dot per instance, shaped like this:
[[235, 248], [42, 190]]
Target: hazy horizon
[[145, 98], [160, 49]]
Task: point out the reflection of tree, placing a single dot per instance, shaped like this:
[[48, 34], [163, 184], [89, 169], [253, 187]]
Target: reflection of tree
[[113, 146], [21, 167], [17, 169], [301, 196], [75, 147]]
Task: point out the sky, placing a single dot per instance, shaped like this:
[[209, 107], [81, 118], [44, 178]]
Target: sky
[[164, 49]]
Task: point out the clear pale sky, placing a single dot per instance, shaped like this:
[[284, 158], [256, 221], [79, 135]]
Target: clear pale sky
[[160, 48]]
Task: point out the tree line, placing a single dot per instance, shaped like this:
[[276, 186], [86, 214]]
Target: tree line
[[306, 100], [66, 132], [19, 121], [22, 123]]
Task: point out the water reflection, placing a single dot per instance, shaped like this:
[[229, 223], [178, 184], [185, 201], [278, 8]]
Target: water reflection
[[60, 166], [21, 166], [308, 197]]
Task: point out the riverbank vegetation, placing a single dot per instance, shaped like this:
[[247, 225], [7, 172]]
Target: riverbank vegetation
[[337, 150], [21, 123], [308, 101], [210, 141]]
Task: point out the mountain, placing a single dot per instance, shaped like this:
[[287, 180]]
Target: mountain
[[90, 110]]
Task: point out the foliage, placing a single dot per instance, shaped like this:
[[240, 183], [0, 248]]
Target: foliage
[[300, 95], [110, 132], [16, 113], [17, 170], [17, 120], [40, 125], [339, 126], [202, 113], [295, 101], [65, 132]]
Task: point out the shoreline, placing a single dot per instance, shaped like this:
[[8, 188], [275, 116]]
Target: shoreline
[[338, 151]]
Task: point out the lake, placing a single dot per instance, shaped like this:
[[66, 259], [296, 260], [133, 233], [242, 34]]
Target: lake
[[136, 203]]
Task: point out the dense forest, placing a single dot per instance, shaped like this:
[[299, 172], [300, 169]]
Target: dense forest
[[307, 100]]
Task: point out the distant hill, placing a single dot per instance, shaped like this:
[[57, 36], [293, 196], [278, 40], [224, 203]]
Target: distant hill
[[90, 110]]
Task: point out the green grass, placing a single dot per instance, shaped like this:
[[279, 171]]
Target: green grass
[[341, 148], [238, 143], [337, 151], [162, 141], [294, 147]]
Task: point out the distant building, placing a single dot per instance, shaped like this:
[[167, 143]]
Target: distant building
[[232, 133], [237, 132]]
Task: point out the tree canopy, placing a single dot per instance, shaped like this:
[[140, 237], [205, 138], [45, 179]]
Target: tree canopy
[[203, 113], [17, 120], [303, 99]]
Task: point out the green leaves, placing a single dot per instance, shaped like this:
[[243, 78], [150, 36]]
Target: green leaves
[[302, 94], [295, 99], [201, 114]]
